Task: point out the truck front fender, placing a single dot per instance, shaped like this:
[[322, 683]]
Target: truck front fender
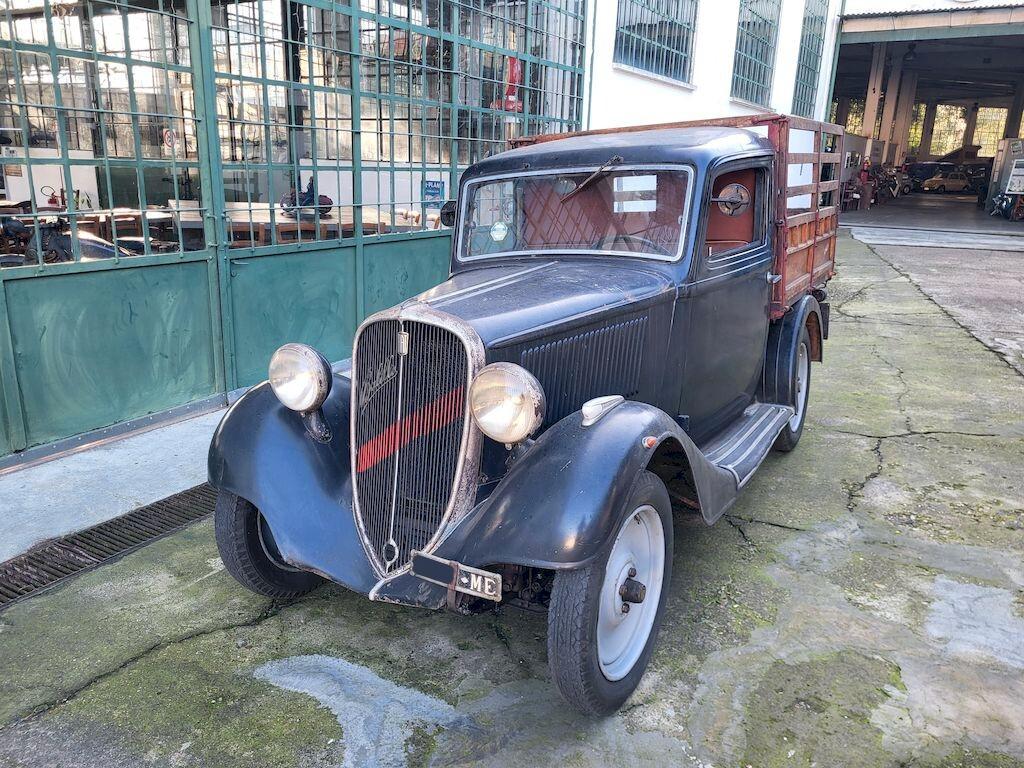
[[561, 501], [262, 452]]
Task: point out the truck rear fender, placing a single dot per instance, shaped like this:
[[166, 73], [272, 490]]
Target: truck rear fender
[[783, 336], [560, 502]]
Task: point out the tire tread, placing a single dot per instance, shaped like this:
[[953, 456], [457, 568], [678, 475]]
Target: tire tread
[[234, 525], [572, 642]]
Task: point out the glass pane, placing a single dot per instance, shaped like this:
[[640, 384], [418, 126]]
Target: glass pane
[[624, 213]]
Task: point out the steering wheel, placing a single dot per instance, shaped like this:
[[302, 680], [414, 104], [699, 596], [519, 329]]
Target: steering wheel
[[609, 239]]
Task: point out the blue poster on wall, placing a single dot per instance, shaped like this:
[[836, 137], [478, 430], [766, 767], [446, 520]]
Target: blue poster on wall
[[432, 193]]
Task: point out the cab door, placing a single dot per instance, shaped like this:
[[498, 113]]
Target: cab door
[[728, 299]]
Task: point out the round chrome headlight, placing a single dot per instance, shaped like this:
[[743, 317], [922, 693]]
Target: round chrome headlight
[[300, 377], [507, 402]]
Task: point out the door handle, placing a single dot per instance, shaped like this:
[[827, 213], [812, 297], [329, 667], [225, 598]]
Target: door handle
[[772, 278]]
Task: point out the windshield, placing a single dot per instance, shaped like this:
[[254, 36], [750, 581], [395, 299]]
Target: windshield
[[599, 211]]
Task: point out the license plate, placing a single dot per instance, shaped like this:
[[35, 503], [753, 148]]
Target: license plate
[[461, 578]]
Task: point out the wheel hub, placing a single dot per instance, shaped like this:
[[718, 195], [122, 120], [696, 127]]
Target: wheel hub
[[633, 591], [630, 592]]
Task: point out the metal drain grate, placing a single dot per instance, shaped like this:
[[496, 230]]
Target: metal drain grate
[[52, 561]]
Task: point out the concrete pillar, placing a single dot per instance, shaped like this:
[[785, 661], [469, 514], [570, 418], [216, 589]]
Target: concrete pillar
[[1012, 129], [904, 116], [892, 89], [972, 123], [927, 130], [874, 91]]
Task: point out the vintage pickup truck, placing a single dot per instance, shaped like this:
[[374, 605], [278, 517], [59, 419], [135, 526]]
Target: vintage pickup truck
[[629, 320]]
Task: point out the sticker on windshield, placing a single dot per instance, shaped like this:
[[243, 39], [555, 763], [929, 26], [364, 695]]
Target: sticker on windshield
[[636, 194], [499, 231]]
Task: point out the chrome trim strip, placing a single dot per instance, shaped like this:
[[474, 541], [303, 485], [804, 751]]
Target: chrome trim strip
[[467, 470], [766, 429], [403, 352], [484, 287], [724, 451]]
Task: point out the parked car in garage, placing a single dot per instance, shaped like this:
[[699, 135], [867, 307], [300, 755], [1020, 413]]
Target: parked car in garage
[[947, 181], [977, 174], [630, 319], [921, 172]]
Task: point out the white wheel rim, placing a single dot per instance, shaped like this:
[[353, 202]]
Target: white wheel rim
[[622, 635], [802, 375]]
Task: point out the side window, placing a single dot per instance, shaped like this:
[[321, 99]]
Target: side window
[[735, 219]]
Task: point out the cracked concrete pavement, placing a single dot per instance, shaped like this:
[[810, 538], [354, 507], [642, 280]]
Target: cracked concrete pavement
[[983, 291], [862, 605]]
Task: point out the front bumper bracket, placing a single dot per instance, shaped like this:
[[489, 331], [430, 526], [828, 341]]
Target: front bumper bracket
[[457, 577]]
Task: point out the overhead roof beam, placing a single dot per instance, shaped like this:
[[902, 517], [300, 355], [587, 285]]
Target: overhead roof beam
[[933, 25]]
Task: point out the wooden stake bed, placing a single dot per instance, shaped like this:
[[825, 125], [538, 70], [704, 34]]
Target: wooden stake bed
[[804, 238]]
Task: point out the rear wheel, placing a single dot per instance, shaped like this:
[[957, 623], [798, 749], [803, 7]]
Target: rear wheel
[[250, 553], [604, 618], [800, 386]]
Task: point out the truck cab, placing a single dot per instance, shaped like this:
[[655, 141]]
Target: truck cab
[[629, 322]]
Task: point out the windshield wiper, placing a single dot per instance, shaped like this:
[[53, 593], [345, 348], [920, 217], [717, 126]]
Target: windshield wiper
[[604, 170]]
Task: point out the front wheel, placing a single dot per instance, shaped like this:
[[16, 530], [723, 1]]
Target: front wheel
[[604, 618], [800, 386], [250, 554]]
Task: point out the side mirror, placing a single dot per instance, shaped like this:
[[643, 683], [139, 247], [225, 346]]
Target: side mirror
[[448, 213]]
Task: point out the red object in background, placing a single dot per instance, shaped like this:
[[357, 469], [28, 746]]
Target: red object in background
[[53, 200], [513, 79]]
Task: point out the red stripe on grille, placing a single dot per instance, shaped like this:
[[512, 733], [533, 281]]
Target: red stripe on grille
[[430, 418]]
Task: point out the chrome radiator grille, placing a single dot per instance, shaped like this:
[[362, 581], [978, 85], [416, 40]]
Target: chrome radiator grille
[[409, 412]]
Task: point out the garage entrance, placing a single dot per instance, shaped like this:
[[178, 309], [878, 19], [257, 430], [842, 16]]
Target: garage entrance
[[932, 102]]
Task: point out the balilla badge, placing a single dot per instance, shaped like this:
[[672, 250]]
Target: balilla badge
[[386, 370]]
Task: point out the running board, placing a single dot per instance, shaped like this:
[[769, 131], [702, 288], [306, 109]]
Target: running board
[[741, 448]]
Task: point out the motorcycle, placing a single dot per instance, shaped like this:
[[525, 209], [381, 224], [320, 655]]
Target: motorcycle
[[52, 239], [888, 185], [1008, 206], [13, 236], [306, 204]]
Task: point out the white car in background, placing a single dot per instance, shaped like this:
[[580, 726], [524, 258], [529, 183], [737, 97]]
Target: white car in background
[[947, 181]]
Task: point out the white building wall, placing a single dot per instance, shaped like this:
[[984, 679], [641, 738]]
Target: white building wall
[[617, 95]]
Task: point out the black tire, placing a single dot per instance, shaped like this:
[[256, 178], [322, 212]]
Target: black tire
[[789, 437], [249, 552], [573, 615], [941, 190]]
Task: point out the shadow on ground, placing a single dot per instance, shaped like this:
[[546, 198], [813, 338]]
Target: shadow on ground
[[863, 605]]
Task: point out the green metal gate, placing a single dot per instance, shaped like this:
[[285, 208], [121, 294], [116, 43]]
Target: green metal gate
[[258, 171]]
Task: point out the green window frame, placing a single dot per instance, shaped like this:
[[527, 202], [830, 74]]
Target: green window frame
[[102, 130], [988, 129], [756, 39], [381, 106], [948, 129], [188, 123], [808, 65], [656, 36]]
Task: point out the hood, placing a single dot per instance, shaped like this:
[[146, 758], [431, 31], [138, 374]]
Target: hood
[[511, 302]]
